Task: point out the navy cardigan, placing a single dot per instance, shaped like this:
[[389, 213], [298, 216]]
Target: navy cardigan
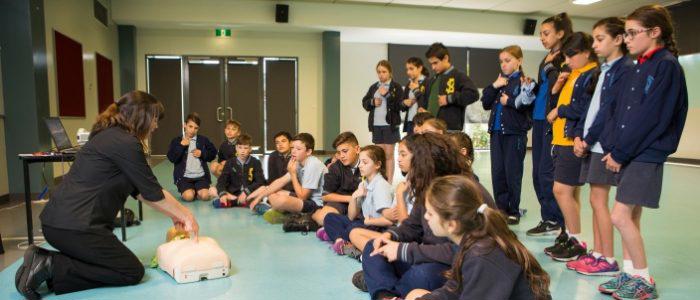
[[611, 88], [514, 119], [650, 114], [177, 154]]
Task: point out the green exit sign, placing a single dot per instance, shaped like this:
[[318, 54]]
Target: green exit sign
[[223, 32]]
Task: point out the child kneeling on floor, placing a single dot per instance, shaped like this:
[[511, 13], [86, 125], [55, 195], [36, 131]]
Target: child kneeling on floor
[[369, 207], [241, 176], [491, 263]]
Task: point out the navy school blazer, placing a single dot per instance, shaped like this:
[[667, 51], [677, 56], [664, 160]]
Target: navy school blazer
[[460, 91], [177, 154], [575, 111], [514, 119], [393, 118]]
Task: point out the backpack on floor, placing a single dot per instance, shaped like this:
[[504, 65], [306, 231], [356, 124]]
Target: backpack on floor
[[300, 223]]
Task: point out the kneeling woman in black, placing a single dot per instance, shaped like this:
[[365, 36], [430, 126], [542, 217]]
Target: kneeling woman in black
[[79, 218]]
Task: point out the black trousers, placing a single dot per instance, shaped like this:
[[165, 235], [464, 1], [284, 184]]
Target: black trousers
[[90, 260], [507, 156]]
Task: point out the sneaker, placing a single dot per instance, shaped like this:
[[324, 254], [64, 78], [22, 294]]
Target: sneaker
[[351, 251], [544, 228], [513, 220], [559, 242], [582, 260], [274, 217], [614, 284], [637, 288], [358, 280], [261, 208], [599, 267], [337, 247], [322, 235], [573, 250]]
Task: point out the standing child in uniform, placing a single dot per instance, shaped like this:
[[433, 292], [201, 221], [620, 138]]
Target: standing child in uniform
[[450, 90], [608, 43], [574, 90], [414, 92], [508, 98], [637, 148], [241, 176], [370, 203], [383, 101], [190, 153], [554, 32]]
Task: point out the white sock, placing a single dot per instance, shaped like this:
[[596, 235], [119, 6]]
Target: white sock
[[644, 273], [627, 266], [597, 255], [610, 260]]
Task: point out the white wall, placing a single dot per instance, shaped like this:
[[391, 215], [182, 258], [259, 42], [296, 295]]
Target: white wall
[[74, 18], [357, 63], [306, 46]]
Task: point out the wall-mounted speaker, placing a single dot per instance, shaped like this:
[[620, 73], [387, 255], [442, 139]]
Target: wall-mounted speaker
[[281, 13], [529, 27]]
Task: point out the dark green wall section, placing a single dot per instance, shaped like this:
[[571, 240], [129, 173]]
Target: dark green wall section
[[25, 87], [331, 88], [127, 58]]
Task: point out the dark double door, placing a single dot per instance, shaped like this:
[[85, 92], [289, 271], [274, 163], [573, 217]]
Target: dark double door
[[259, 92]]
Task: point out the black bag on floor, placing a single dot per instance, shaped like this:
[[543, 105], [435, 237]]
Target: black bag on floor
[[130, 219], [300, 223]]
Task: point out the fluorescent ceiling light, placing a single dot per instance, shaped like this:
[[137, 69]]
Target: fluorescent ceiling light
[[585, 2]]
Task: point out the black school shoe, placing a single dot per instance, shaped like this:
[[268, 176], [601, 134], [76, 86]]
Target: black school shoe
[[559, 242], [513, 220], [572, 251], [36, 269], [358, 280], [544, 228]]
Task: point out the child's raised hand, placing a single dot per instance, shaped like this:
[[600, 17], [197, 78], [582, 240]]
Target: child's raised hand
[[525, 80], [185, 141], [408, 102], [377, 101], [361, 191], [401, 188], [553, 115], [500, 81], [563, 76], [413, 85], [292, 166], [442, 100], [383, 90], [504, 99], [197, 153]]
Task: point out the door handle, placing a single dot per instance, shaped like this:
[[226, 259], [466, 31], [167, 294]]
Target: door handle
[[230, 112], [218, 114]]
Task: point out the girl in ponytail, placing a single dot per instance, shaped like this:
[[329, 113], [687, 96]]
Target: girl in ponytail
[[491, 263], [655, 89]]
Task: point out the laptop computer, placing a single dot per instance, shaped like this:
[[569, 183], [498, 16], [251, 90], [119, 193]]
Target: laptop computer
[[59, 136]]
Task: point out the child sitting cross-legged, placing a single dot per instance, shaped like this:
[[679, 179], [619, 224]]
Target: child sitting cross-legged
[[240, 177], [370, 204]]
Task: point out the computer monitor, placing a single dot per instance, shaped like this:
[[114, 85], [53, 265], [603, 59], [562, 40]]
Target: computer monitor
[[58, 133]]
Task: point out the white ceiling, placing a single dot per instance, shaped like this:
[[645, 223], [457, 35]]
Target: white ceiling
[[600, 9]]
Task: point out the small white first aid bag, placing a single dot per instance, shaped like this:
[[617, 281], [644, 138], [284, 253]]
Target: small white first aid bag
[[189, 261]]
